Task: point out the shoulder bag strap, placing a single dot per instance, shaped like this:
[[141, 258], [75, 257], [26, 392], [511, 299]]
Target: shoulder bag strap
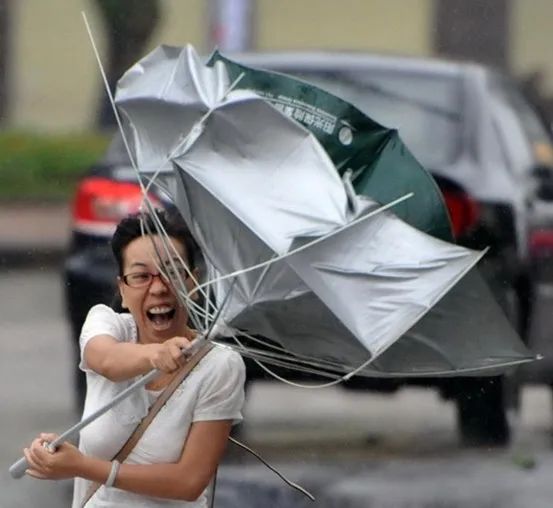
[[177, 379]]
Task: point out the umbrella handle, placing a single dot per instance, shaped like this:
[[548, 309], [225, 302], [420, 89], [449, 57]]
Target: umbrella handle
[[17, 469]]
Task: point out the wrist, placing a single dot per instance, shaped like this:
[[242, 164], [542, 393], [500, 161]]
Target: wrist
[[150, 352], [93, 469], [82, 465]]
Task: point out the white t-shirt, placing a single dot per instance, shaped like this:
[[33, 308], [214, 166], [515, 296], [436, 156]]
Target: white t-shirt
[[214, 390]]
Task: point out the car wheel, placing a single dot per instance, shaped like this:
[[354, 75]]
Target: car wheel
[[525, 299], [481, 413]]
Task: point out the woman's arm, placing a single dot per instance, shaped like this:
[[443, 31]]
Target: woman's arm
[[186, 480], [119, 361]]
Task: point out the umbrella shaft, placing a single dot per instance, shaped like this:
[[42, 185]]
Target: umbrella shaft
[[73, 431], [17, 469]]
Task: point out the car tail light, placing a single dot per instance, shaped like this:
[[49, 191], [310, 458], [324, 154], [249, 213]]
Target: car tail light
[[541, 243], [100, 203], [463, 211]]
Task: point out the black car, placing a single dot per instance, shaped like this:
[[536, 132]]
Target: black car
[[467, 124]]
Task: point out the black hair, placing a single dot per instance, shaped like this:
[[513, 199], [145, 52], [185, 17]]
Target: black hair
[[135, 225]]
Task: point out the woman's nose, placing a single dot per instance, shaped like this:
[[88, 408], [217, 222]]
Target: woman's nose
[[158, 284]]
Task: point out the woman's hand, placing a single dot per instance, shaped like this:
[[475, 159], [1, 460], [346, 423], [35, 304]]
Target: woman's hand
[[64, 462], [120, 361], [168, 356]]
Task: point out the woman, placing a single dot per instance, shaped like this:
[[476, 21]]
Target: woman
[[174, 461]]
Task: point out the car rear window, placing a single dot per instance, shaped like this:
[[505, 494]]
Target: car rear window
[[425, 108]]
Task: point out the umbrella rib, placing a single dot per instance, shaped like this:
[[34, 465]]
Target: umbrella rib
[[110, 97], [281, 357], [261, 277], [273, 469], [292, 354], [464, 370], [301, 385], [256, 356]]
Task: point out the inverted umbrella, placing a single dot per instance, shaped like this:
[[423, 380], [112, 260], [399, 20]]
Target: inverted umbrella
[[325, 273]]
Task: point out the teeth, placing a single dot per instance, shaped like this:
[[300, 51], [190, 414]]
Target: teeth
[[161, 309]]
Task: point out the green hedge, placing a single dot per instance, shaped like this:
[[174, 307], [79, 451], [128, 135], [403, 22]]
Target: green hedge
[[45, 167]]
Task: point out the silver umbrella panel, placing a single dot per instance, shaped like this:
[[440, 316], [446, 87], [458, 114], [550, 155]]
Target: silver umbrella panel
[[378, 295], [333, 278]]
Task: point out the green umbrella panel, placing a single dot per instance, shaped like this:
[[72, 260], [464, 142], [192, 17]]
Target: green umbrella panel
[[382, 167]]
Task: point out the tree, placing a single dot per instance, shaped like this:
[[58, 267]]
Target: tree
[[129, 25], [476, 30], [5, 53]]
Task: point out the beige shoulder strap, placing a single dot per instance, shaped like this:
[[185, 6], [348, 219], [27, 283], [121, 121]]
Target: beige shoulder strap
[[177, 379]]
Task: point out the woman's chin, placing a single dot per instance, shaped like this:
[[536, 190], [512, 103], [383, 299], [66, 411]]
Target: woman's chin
[[166, 330]]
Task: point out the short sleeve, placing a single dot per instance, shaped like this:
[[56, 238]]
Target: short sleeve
[[221, 394], [102, 320]]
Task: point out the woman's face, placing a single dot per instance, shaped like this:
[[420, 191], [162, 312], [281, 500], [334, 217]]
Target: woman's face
[[154, 306]]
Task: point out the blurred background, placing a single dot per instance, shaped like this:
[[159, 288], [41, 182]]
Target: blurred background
[[50, 83], [64, 184]]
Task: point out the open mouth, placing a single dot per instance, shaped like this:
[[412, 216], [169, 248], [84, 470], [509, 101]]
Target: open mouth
[[161, 316]]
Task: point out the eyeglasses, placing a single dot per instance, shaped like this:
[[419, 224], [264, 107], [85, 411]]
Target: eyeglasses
[[143, 279]]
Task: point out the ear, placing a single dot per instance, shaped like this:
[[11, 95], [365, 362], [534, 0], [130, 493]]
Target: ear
[[121, 287]]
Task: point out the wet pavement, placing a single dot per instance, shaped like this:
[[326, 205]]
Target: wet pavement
[[365, 450]]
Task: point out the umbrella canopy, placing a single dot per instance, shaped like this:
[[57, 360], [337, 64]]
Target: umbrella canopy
[[320, 270], [383, 168]]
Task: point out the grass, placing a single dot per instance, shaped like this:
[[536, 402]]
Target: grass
[[45, 167]]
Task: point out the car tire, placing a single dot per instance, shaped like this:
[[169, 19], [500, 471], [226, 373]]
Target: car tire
[[525, 300], [481, 413]]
